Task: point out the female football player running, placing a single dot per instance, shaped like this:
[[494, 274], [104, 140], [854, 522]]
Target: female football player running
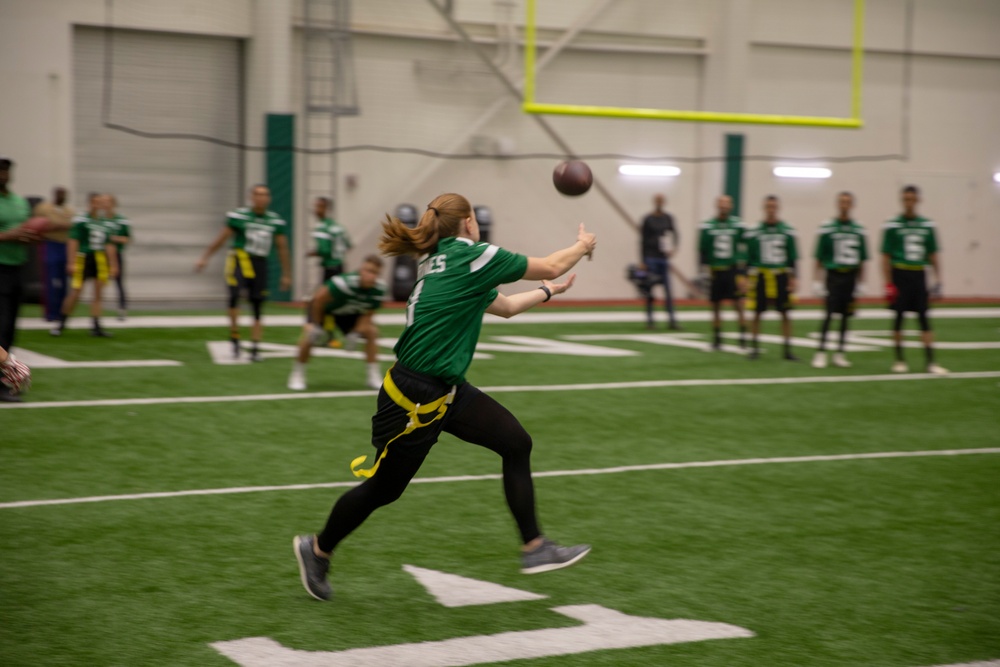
[[426, 393]]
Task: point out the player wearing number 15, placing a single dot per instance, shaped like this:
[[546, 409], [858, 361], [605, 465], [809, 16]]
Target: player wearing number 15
[[841, 251], [425, 393], [253, 231], [909, 244], [771, 257]]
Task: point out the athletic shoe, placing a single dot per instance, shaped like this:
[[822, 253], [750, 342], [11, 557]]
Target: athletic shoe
[[900, 367], [840, 361], [297, 381], [550, 556], [791, 357], [819, 360], [56, 331], [236, 347], [936, 370], [374, 378], [98, 332], [7, 395], [312, 568], [351, 341], [753, 355], [122, 314], [255, 356]]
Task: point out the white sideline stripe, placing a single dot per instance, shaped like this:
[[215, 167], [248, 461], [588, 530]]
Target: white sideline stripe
[[643, 384], [495, 476], [538, 317]]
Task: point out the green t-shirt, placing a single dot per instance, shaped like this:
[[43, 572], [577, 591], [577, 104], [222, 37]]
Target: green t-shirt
[[771, 246], [254, 233], [14, 210], [332, 242], [455, 285], [120, 226], [720, 242], [841, 245], [909, 242], [350, 298], [92, 233]]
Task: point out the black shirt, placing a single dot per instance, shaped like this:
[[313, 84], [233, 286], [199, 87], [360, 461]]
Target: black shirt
[[654, 226]]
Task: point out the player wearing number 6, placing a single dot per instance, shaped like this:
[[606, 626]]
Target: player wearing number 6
[[771, 257], [841, 251], [253, 231], [909, 245]]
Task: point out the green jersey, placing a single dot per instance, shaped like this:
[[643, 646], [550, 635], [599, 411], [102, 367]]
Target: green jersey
[[455, 285], [909, 242], [721, 244], [92, 233], [120, 226], [771, 246], [841, 245], [254, 233], [14, 210], [332, 242], [350, 298]]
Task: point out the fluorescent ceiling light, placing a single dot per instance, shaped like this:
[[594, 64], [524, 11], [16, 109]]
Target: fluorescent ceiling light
[[996, 177], [648, 170], [802, 172]]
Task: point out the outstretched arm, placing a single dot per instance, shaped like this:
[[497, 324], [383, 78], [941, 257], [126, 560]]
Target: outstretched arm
[[212, 249], [561, 261], [509, 306]]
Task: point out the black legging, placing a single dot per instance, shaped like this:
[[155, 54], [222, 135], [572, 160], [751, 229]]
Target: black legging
[[482, 421]]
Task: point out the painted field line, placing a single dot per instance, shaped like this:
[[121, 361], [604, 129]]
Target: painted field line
[[595, 386], [496, 476]]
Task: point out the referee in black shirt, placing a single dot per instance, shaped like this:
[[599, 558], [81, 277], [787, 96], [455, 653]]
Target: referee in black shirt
[[659, 242]]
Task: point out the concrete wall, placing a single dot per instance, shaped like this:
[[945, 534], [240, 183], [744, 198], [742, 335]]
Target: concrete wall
[[420, 87]]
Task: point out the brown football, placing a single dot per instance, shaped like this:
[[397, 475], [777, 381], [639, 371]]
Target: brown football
[[572, 177]]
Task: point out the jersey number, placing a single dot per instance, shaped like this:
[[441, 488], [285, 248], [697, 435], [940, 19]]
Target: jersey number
[[722, 246], [772, 250], [411, 303], [845, 251], [258, 242], [97, 239], [913, 247]]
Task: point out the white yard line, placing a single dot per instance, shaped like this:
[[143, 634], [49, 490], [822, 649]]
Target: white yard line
[[537, 317], [477, 478], [595, 386]]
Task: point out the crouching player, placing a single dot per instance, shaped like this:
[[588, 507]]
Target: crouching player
[[352, 299]]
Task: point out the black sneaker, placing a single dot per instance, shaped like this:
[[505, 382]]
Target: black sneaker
[[312, 568], [98, 332], [550, 556], [255, 356], [7, 395], [754, 355], [236, 347], [791, 357]]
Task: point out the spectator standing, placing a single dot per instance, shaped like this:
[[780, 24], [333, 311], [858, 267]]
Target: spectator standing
[[60, 217], [659, 242]]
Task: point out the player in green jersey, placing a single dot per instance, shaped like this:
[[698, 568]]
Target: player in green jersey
[[425, 392], [253, 232], [722, 256], [90, 254], [841, 252], [909, 244], [351, 299], [121, 235], [771, 257], [332, 240]]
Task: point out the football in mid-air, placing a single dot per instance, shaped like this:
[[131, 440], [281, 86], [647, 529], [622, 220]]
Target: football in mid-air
[[572, 177]]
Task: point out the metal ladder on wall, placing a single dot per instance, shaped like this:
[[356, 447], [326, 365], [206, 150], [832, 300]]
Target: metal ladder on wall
[[329, 92]]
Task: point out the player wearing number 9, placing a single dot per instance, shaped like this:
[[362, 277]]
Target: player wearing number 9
[[909, 245], [253, 231]]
